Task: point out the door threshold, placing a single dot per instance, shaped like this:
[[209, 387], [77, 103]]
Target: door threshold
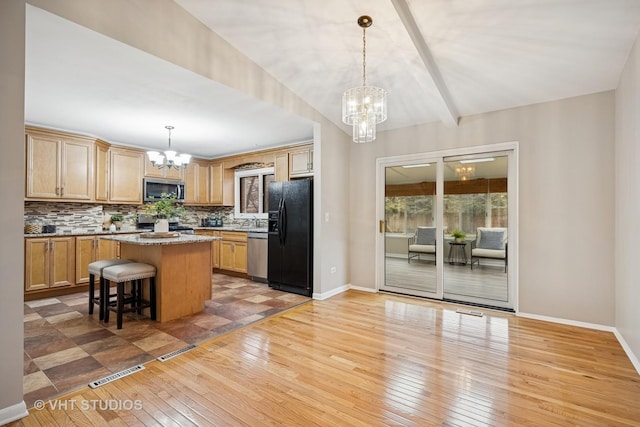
[[452, 301]]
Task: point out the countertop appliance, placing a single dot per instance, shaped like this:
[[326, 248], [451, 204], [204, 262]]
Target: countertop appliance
[[146, 222], [257, 256], [290, 236], [154, 188]]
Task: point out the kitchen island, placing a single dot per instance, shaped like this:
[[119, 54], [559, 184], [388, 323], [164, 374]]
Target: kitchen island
[[183, 270]]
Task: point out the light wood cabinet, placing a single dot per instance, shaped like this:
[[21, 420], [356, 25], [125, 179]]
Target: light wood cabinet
[[125, 175], [151, 171], [197, 188], [233, 251], [216, 171], [301, 162], [102, 172], [59, 167], [89, 249], [282, 167], [49, 263], [215, 246]]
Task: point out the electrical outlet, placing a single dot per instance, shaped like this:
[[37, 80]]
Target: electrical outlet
[[333, 270]]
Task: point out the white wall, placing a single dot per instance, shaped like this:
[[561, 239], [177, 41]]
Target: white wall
[[627, 205], [12, 31], [566, 199]]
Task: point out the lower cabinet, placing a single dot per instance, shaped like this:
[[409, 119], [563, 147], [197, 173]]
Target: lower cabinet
[[49, 263], [63, 262], [233, 251], [90, 249]]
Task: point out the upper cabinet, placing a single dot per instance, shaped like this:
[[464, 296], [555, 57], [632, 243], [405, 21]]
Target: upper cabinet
[[125, 175], [301, 162], [196, 185], [59, 167], [102, 172], [150, 171]]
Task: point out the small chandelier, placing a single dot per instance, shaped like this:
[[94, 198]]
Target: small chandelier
[[465, 172], [365, 106], [173, 159]]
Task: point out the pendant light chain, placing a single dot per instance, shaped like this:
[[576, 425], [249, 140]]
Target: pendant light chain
[[364, 56]]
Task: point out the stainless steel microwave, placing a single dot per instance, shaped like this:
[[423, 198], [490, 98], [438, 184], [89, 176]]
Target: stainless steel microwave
[[154, 188]]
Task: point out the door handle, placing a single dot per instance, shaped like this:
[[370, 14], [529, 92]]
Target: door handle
[[381, 226]]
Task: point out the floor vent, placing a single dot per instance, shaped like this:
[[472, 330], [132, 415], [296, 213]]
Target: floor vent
[[470, 312], [115, 376], [176, 353]]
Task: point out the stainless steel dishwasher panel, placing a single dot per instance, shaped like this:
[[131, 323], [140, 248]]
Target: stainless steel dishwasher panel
[[257, 256]]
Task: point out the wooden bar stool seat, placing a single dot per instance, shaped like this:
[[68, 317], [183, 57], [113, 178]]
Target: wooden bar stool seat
[[95, 269], [134, 272]]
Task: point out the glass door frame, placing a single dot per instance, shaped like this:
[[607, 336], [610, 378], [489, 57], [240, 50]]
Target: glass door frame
[[382, 164], [509, 149]]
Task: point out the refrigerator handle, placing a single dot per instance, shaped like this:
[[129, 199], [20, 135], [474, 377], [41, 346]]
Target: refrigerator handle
[[283, 230], [280, 222]]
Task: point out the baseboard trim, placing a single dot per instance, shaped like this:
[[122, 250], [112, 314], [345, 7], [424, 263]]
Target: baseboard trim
[[634, 360], [363, 289], [331, 293], [562, 321], [632, 357], [13, 413]]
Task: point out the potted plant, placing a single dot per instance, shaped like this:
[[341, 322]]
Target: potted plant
[[163, 210], [458, 236], [116, 219]]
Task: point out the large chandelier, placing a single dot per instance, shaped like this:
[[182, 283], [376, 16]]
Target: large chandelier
[[365, 106], [173, 159]]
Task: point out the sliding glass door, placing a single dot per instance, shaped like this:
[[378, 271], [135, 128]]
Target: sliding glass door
[[410, 228], [446, 225]]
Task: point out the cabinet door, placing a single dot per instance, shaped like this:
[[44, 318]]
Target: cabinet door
[[227, 256], [43, 166], [125, 176], [77, 170], [282, 167], [301, 162], [215, 251], [86, 249], [62, 261], [191, 183], [240, 257], [217, 180], [173, 173], [107, 249], [102, 172], [36, 263], [203, 185]]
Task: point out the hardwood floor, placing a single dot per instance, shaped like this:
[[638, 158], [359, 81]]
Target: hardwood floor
[[374, 359]]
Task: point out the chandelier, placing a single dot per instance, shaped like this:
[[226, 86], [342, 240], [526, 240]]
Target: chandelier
[[365, 106], [173, 159], [465, 172]]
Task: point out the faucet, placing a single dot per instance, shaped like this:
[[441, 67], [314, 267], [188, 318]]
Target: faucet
[[256, 222]]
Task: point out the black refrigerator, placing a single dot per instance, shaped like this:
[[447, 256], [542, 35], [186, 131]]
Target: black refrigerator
[[290, 236]]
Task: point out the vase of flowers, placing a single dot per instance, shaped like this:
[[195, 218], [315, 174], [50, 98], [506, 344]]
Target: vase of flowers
[[163, 210]]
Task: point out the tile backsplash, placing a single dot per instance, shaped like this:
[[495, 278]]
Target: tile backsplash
[[87, 217]]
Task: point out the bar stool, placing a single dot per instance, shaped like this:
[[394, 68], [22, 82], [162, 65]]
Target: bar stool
[[134, 272], [95, 269]]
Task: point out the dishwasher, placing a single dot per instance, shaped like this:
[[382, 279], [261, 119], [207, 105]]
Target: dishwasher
[[257, 256]]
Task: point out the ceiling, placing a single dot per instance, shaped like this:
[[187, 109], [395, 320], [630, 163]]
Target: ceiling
[[439, 60]]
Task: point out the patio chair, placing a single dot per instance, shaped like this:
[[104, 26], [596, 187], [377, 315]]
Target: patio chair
[[423, 242], [490, 243]]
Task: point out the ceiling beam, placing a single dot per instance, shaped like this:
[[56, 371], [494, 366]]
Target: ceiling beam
[[450, 113]]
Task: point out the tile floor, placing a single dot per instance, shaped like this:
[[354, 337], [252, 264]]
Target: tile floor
[[66, 348]]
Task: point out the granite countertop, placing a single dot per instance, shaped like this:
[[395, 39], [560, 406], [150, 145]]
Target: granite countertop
[[82, 233], [180, 240], [235, 228]]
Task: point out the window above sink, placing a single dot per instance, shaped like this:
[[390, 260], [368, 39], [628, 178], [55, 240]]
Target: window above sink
[[252, 192]]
